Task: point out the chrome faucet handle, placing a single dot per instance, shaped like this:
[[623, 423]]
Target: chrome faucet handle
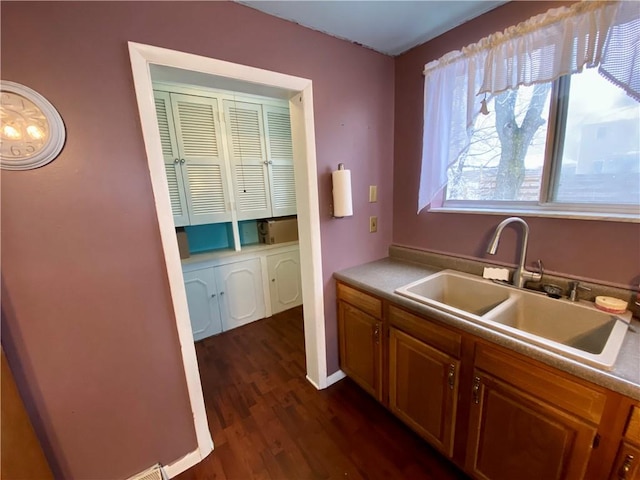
[[573, 290], [540, 268]]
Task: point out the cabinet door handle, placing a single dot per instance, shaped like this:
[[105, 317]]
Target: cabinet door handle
[[182, 160], [176, 160], [626, 467], [376, 334], [213, 295], [273, 279], [476, 390], [221, 293], [452, 376]]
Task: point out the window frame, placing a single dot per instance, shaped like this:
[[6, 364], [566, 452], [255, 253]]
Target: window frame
[[545, 206]]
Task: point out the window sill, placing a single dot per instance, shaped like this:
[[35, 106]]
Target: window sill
[[544, 213]]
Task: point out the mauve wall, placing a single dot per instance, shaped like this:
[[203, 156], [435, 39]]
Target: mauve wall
[[605, 251], [87, 315]]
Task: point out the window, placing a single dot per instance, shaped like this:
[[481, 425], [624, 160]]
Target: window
[[543, 117], [572, 144]]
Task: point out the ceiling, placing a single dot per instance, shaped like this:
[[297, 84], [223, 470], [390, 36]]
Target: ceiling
[[389, 27]]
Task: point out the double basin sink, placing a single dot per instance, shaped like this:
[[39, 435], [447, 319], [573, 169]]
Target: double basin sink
[[572, 329]]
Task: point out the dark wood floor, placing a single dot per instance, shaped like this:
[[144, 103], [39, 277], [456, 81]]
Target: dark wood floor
[[269, 422]]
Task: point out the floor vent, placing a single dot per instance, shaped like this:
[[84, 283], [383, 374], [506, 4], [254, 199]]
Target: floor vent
[[153, 473]]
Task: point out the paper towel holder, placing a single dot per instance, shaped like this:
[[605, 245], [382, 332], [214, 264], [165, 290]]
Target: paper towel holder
[[341, 193]]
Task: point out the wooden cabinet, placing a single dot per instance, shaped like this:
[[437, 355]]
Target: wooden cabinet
[[627, 463], [209, 137], [191, 139], [497, 414], [240, 292], [260, 147], [527, 422], [424, 376], [360, 338], [202, 299], [285, 285], [423, 387], [224, 297]]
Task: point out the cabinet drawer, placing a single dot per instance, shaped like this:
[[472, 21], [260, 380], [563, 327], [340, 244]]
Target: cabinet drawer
[[432, 334], [571, 396], [632, 432], [365, 302]]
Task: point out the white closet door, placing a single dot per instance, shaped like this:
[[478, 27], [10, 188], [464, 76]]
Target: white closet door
[[245, 133], [197, 121], [240, 292], [202, 299], [171, 156], [280, 158]]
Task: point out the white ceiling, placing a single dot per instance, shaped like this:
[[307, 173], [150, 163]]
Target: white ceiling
[[389, 27]]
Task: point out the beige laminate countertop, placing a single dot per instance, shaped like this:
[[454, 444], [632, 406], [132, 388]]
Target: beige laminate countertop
[[382, 277]]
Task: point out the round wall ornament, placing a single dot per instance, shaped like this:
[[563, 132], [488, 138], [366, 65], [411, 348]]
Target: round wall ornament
[[32, 132]]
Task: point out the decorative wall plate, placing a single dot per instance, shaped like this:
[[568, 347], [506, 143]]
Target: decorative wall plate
[[32, 132]]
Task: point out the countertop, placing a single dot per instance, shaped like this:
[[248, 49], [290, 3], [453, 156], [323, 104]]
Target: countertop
[[382, 277]]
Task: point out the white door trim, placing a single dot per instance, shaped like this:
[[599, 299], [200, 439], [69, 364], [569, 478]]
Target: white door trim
[[303, 133]]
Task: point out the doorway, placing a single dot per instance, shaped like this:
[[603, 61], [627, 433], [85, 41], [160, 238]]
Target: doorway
[[299, 93]]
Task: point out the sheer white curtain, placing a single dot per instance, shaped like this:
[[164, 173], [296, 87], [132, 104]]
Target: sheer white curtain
[[559, 42]]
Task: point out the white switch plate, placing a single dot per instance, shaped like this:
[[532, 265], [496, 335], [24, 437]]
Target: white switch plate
[[373, 224], [373, 193]]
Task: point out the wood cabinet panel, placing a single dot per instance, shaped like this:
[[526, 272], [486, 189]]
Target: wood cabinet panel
[[627, 464], [365, 302], [361, 348], [440, 337], [423, 387], [558, 390], [632, 432], [515, 435]]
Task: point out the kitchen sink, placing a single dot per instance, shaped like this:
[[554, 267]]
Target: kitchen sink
[[573, 329], [456, 292]]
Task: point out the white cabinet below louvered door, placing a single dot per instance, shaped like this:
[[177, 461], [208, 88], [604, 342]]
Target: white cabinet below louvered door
[[240, 293], [280, 160], [197, 123], [202, 298], [285, 285], [245, 133]]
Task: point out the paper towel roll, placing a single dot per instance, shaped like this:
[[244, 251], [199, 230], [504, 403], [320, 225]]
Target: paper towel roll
[[342, 205]]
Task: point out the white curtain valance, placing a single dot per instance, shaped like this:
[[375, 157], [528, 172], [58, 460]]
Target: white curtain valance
[[559, 42]]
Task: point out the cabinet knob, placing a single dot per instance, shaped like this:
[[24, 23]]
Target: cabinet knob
[[221, 293], [273, 279], [213, 295], [176, 160], [626, 467], [376, 334], [182, 160]]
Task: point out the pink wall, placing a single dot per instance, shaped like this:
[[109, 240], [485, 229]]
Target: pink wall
[[87, 316], [604, 251]]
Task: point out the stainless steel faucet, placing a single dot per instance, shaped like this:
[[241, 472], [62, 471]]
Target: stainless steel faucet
[[521, 274]]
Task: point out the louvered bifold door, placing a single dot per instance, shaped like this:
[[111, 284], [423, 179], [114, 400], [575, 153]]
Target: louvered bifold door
[[199, 135], [248, 159], [280, 156], [172, 166]]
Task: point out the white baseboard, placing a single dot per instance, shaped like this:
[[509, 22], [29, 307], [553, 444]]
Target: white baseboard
[[185, 463], [335, 377]]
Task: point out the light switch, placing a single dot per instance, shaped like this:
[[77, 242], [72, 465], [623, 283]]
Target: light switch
[[373, 193]]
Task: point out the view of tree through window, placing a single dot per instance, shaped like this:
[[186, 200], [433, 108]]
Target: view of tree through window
[[599, 161]]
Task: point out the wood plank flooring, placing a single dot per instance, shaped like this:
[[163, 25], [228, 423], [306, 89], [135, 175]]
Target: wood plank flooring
[[269, 422]]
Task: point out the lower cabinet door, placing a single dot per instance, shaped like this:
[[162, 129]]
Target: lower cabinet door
[[285, 285], [202, 299], [240, 293], [361, 348], [515, 435], [423, 388]]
